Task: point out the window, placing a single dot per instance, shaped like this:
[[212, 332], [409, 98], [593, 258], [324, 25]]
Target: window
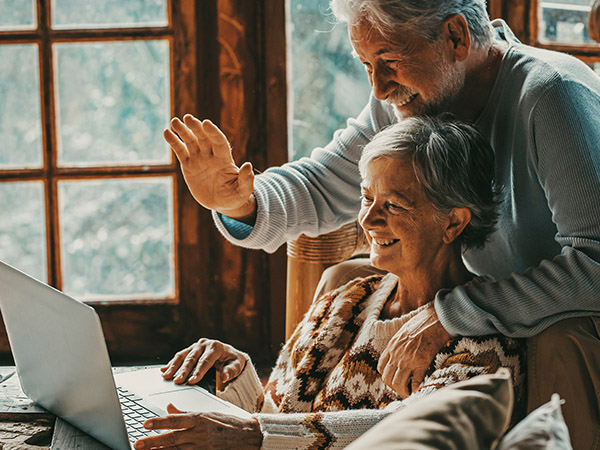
[[93, 202], [563, 21], [562, 25], [328, 85], [86, 181]]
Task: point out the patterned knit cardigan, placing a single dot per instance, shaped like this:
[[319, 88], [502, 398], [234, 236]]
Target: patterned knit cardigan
[[325, 391]]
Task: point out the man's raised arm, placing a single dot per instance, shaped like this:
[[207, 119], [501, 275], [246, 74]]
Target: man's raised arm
[[209, 170]]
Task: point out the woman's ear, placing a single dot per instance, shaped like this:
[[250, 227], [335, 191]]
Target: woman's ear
[[456, 222], [457, 35]]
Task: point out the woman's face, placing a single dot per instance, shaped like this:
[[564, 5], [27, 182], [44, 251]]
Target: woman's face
[[402, 226]]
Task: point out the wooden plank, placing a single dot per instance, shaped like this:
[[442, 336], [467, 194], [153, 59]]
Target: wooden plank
[[23, 424], [35, 433]]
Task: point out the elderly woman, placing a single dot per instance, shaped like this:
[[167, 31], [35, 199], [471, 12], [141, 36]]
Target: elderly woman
[[427, 195]]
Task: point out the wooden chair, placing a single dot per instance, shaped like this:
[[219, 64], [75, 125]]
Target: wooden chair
[[594, 21], [308, 257]]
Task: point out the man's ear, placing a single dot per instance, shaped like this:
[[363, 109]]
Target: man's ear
[[456, 34], [456, 222]]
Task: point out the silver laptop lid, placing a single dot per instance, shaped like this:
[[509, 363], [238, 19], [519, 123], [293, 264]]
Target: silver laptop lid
[[61, 357]]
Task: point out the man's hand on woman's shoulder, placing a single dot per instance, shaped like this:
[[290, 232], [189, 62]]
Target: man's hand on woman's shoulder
[[404, 362]]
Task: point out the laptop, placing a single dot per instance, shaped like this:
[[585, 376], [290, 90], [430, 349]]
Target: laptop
[[63, 365]]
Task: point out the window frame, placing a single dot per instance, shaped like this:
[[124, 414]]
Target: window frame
[[587, 52], [50, 174], [225, 292], [522, 16]]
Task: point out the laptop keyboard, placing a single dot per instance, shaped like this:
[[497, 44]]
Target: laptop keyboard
[[135, 415]]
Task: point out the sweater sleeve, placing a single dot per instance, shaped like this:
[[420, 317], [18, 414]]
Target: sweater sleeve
[[313, 195], [565, 129], [329, 430]]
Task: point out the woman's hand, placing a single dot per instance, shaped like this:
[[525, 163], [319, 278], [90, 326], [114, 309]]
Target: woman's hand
[[193, 362], [208, 430], [210, 172]]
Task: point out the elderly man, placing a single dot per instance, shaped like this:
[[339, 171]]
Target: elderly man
[[541, 112]]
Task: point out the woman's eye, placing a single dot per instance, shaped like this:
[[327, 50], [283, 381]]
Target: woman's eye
[[365, 200], [395, 209]]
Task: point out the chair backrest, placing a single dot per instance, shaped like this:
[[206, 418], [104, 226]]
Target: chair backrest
[[308, 257], [594, 21]]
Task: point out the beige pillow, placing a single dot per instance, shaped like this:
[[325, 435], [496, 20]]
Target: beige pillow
[[472, 414]]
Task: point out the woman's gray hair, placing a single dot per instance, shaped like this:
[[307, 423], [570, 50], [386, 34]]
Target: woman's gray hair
[[453, 163], [423, 17]]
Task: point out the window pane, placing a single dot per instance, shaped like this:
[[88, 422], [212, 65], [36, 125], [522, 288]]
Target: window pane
[[117, 238], [113, 103], [17, 15], [20, 117], [328, 84], [23, 227], [108, 13], [564, 21]]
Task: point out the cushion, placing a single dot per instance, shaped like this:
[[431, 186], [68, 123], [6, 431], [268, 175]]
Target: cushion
[[543, 428], [472, 414]]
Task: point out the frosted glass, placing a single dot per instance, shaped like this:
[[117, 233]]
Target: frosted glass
[[113, 103], [23, 227], [108, 13], [117, 238], [17, 15], [328, 84], [20, 117]]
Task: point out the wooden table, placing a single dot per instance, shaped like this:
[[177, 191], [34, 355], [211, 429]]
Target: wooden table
[[26, 426]]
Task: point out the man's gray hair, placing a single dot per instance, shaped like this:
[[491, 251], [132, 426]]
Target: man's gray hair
[[454, 165], [424, 17]]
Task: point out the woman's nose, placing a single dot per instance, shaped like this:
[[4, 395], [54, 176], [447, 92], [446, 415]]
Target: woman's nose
[[370, 217]]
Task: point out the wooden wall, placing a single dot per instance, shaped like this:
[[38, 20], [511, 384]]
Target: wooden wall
[[241, 79]]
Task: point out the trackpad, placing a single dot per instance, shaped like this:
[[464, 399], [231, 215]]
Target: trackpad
[[194, 400]]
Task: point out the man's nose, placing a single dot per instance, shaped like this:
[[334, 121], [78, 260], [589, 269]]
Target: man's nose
[[383, 84]]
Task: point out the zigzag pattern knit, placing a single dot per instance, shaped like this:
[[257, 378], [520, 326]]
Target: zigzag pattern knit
[[325, 391]]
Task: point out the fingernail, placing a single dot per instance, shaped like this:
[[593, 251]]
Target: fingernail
[[149, 425], [139, 445]]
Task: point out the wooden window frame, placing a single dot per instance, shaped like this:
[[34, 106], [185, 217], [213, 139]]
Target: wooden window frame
[[588, 52], [522, 16], [44, 37], [225, 292]]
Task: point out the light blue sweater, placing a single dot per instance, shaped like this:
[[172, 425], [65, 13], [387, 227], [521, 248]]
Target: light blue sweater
[[543, 121]]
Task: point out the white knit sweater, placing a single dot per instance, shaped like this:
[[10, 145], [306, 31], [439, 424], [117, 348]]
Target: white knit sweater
[[324, 391]]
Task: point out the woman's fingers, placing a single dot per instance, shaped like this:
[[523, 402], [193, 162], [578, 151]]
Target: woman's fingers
[[172, 409], [231, 370], [204, 363], [174, 439], [173, 366]]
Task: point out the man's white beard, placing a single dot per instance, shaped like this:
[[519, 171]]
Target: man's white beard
[[448, 90]]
